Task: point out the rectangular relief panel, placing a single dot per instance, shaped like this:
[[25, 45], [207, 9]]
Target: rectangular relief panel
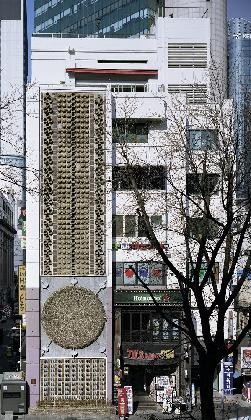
[[72, 184], [73, 379]]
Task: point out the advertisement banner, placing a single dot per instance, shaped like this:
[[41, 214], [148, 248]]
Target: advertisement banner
[[228, 379], [122, 402], [245, 357], [22, 289], [129, 394]]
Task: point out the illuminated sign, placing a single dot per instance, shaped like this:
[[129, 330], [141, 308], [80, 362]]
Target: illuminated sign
[[166, 297], [140, 354]]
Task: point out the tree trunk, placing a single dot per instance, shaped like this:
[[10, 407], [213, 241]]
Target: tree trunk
[[207, 369]]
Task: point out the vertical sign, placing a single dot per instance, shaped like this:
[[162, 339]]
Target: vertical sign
[[228, 379], [21, 289], [129, 399]]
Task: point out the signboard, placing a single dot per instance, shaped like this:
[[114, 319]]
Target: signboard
[[21, 289], [228, 379], [140, 354], [129, 394], [122, 402], [166, 297], [136, 246], [12, 160], [245, 357]]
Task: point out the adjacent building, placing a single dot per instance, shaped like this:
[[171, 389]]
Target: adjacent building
[[13, 78], [7, 232], [102, 18]]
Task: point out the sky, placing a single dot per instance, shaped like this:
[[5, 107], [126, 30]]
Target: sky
[[239, 8]]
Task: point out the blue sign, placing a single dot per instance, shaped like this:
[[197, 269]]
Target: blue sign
[[228, 379]]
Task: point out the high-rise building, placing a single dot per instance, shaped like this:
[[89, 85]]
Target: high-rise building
[[239, 54], [7, 232], [13, 78], [108, 18]]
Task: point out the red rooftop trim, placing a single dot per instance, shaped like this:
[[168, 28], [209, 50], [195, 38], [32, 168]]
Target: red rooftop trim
[[110, 71]]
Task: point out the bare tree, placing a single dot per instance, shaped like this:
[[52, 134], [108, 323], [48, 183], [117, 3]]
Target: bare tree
[[208, 229]]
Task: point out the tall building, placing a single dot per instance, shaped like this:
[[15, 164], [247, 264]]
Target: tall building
[[83, 235], [239, 55], [108, 18], [7, 232], [239, 78], [13, 78]]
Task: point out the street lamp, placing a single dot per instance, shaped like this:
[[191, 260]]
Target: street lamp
[[20, 342]]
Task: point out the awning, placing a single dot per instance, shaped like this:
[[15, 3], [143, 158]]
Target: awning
[[111, 71]]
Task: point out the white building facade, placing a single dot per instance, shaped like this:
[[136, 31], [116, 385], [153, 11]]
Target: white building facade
[[83, 230]]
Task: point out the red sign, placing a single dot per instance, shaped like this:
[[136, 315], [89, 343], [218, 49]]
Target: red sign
[[122, 402], [140, 354]]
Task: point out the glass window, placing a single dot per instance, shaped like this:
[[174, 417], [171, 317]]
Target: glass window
[[125, 326], [202, 184], [156, 328], [143, 272], [156, 220], [136, 327], [202, 139], [146, 178], [117, 225], [156, 273], [145, 327], [130, 225], [129, 275], [119, 274], [151, 273], [198, 227]]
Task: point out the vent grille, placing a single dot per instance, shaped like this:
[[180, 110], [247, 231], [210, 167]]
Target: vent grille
[[187, 55], [73, 187], [195, 94]]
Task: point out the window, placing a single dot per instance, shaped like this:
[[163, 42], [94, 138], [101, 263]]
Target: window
[[202, 184], [146, 326], [198, 227], [202, 139], [131, 226], [117, 225], [145, 177], [130, 132], [152, 273], [204, 269]]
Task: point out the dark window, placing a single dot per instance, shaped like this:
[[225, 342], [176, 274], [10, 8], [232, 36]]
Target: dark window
[[202, 139], [144, 326], [145, 177], [151, 273], [117, 225], [203, 270], [199, 227], [130, 132], [202, 184], [130, 225]]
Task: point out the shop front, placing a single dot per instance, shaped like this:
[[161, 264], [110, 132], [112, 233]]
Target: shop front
[[148, 345]]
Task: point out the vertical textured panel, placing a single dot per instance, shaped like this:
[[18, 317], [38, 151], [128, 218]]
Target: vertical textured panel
[[73, 184]]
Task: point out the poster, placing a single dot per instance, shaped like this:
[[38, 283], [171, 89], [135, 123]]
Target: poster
[[129, 399]]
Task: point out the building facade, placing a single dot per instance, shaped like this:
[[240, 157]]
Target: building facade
[[13, 78], [112, 18], [84, 236], [7, 232]]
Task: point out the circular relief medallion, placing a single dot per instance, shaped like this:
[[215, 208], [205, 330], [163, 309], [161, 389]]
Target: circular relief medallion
[[73, 317]]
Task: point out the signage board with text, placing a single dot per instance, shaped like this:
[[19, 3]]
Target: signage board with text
[[163, 297]]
